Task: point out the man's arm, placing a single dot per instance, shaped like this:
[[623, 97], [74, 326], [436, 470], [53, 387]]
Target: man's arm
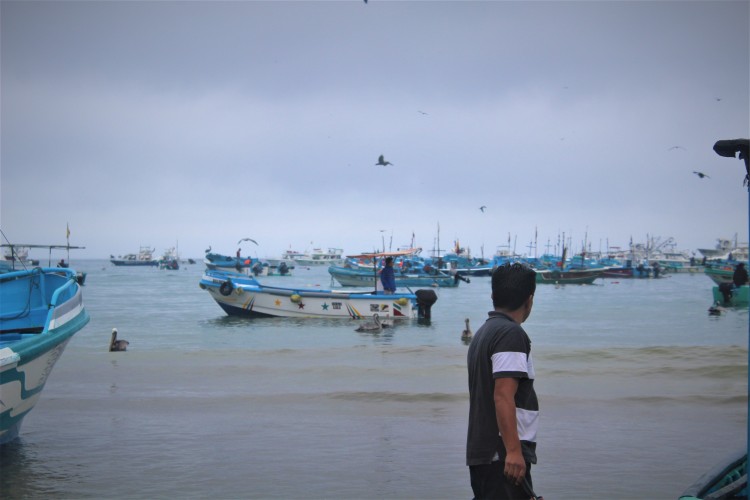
[[505, 410]]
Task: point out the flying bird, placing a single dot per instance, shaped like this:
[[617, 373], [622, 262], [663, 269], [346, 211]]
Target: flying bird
[[677, 147], [422, 112], [381, 161], [700, 174], [247, 239], [483, 207]]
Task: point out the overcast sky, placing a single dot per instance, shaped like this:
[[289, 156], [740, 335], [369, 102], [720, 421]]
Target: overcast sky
[[200, 123]]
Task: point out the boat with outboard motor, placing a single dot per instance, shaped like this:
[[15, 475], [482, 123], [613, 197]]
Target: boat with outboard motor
[[42, 308], [242, 295]]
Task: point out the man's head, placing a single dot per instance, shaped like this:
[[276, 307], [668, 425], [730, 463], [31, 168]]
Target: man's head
[[513, 286], [388, 261]]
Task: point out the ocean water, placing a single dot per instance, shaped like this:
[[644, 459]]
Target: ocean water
[[641, 392]]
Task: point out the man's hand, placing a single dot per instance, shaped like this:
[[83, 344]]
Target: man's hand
[[515, 467]]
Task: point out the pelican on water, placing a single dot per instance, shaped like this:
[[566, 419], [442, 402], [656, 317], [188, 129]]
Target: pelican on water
[[467, 333], [117, 345], [371, 326]]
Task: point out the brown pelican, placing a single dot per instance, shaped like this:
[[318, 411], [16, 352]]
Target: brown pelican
[[700, 174], [117, 345], [467, 333], [371, 326]]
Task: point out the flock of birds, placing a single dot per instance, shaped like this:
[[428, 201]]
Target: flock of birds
[[376, 325]]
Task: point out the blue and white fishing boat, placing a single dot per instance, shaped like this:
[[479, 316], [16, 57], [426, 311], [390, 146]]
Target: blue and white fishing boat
[[40, 311], [145, 257], [241, 295], [410, 270], [726, 481], [350, 276]]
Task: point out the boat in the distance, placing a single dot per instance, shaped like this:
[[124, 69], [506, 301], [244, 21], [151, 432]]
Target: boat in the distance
[[42, 308], [241, 295], [320, 257], [144, 257]]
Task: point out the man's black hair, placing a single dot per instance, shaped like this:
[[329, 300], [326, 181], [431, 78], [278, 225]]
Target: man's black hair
[[512, 284]]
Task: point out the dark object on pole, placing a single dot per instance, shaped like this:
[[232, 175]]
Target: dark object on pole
[[730, 148], [425, 299]]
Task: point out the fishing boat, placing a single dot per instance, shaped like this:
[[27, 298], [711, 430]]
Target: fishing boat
[[568, 277], [241, 295], [144, 257], [720, 271], [410, 270], [226, 263], [350, 276], [42, 308], [18, 256], [170, 260], [726, 481], [320, 257]]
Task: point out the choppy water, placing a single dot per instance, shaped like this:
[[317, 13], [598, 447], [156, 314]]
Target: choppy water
[[640, 392]]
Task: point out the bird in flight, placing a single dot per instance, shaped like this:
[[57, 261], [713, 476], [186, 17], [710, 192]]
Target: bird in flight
[[700, 174], [422, 112], [676, 147], [381, 161], [482, 207]]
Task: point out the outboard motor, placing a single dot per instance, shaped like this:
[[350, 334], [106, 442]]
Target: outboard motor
[[425, 299], [283, 268]]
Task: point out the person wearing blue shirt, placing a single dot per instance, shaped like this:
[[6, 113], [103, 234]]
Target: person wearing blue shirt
[[388, 277]]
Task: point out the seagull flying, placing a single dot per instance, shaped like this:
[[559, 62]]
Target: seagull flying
[[247, 239], [482, 207], [677, 147], [381, 161], [422, 112], [700, 174]]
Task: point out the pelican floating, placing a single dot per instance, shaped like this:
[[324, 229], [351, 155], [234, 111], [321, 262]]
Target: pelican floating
[[467, 333], [117, 345], [371, 326]]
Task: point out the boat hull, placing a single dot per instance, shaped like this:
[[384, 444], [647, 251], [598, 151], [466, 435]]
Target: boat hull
[[720, 273], [31, 344], [367, 278], [240, 295], [137, 263], [572, 277], [739, 296]]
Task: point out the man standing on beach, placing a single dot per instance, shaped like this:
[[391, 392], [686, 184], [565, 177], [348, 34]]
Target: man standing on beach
[[503, 410]]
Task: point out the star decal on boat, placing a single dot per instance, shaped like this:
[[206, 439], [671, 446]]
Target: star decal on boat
[[278, 302], [301, 305], [325, 306]]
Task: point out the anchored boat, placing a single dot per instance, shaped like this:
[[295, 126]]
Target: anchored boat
[[241, 295], [42, 308]]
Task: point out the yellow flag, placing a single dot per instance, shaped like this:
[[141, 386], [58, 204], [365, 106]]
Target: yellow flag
[[68, 229]]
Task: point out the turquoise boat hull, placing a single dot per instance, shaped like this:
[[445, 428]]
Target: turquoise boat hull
[[739, 296], [41, 311]]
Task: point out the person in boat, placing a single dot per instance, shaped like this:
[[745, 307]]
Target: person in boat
[[503, 407], [388, 277]]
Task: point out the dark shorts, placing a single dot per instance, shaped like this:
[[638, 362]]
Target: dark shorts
[[488, 482]]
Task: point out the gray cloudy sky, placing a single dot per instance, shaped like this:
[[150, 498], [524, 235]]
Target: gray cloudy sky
[[151, 123]]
